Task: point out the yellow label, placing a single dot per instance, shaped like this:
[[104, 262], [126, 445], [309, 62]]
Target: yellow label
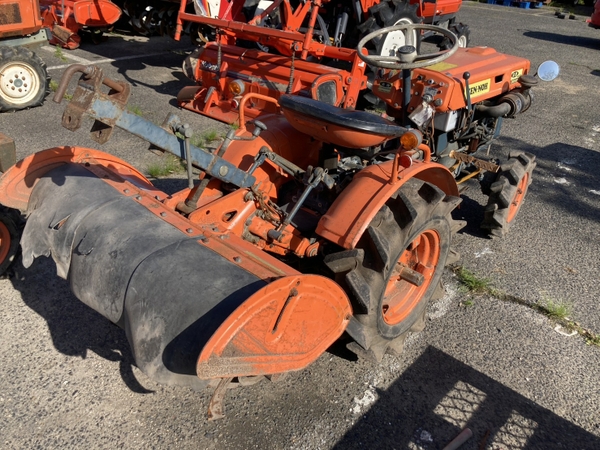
[[480, 88], [515, 75], [442, 67]]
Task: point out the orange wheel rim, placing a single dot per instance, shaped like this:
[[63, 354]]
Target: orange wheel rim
[[4, 242], [411, 277], [513, 208]]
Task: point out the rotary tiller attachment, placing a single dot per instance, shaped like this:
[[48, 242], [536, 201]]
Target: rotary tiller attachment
[[197, 302]]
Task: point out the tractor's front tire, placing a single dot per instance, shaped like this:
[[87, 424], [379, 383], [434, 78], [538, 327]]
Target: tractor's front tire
[[462, 32], [10, 235], [396, 267], [507, 193], [24, 81]]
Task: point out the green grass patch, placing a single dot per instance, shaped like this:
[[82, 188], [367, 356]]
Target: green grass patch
[[135, 110], [202, 139], [197, 140], [473, 283], [58, 53], [210, 135], [168, 165], [593, 340], [559, 312], [53, 85]]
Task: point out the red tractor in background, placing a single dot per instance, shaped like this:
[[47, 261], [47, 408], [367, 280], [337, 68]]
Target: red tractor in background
[[66, 18], [594, 21], [339, 23], [338, 20]]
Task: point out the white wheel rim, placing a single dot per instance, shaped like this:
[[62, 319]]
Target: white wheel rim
[[393, 41], [19, 83]]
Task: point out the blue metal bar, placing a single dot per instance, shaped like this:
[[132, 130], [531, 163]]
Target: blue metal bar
[[109, 113]]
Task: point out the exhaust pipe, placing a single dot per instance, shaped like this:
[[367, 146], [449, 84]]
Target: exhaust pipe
[[509, 105]]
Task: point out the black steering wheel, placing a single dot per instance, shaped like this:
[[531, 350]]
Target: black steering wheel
[[406, 57]]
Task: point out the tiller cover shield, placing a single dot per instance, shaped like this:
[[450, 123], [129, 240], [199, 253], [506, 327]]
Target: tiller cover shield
[[178, 289]]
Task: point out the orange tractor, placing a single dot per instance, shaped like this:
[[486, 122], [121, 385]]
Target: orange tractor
[[23, 76], [66, 18], [309, 221]]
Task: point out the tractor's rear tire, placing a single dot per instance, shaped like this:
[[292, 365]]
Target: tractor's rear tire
[[396, 267], [10, 235], [507, 193], [386, 14], [24, 81]]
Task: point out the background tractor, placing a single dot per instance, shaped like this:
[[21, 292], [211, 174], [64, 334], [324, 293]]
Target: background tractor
[[23, 76], [594, 20], [67, 18], [337, 22]]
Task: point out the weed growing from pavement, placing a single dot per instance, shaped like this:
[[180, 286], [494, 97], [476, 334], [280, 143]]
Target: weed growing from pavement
[[201, 139], [472, 283], [169, 165], [210, 135], [558, 312], [54, 87], [135, 110], [58, 53], [197, 140]]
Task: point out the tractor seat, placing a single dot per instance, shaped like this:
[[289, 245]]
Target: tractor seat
[[338, 126]]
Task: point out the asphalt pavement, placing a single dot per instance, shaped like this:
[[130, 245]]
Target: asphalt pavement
[[68, 379]]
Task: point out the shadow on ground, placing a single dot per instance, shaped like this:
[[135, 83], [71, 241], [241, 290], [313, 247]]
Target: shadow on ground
[[449, 396], [578, 41], [74, 327]]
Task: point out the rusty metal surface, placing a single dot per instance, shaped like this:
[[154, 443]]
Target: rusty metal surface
[[216, 407], [19, 18], [479, 163], [10, 13], [109, 110]]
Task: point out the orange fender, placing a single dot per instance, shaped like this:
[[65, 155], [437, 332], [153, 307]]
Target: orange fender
[[353, 210], [18, 181], [96, 13]]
